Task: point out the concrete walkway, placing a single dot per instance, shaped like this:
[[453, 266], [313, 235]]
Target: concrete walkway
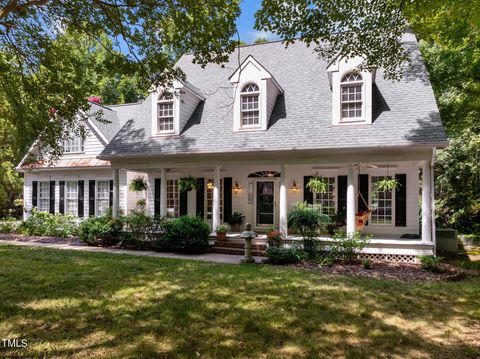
[[207, 257]]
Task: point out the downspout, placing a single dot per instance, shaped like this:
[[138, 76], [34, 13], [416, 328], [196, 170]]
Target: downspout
[[432, 189]]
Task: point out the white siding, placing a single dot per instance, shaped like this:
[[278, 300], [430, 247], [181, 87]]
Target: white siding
[[73, 175], [188, 104], [272, 93], [93, 146]]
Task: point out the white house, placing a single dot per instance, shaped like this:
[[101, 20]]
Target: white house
[[253, 132]]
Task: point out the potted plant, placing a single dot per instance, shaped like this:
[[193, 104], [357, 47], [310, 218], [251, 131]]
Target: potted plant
[[274, 237], [138, 184], [186, 184], [221, 232], [387, 184], [237, 220], [317, 184]]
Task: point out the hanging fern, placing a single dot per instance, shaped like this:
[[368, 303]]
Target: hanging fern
[[387, 184], [317, 184], [138, 184], [186, 184]]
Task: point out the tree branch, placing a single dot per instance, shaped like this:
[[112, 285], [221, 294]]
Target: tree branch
[[14, 6]]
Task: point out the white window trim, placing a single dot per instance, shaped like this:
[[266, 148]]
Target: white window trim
[[172, 101], [335, 204], [82, 145], [40, 198], [245, 94], [66, 198], [370, 184], [362, 101], [97, 198]]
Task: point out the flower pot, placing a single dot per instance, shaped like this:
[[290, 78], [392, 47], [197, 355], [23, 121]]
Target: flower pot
[[236, 228], [221, 236]]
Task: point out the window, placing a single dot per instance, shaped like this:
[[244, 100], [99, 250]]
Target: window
[[210, 199], [326, 201], [165, 114], [351, 100], [71, 198], [103, 197], [173, 201], [44, 196], [74, 145], [381, 204], [249, 106]]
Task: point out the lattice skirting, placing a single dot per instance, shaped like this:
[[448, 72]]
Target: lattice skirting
[[404, 258]]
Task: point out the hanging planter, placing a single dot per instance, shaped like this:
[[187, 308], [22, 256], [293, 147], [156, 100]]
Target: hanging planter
[[138, 184], [317, 184], [186, 184], [387, 184]]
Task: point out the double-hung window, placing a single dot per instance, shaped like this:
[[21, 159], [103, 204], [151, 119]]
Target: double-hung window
[[103, 197], [173, 201], [326, 201], [381, 204], [71, 197], [165, 114], [249, 105], [74, 145], [44, 196], [351, 97]]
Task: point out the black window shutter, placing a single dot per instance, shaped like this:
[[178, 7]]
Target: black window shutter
[[342, 194], [307, 194], [401, 201], [201, 197], [227, 199], [110, 197], [80, 198], [363, 190], [156, 196], [34, 193], [52, 197], [61, 199], [91, 198], [183, 203]]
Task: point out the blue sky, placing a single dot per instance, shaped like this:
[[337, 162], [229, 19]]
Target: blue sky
[[246, 21]]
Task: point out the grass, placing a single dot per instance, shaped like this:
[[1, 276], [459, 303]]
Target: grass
[[72, 304]]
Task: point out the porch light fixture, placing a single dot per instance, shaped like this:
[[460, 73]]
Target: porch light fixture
[[236, 188], [294, 187], [210, 185]]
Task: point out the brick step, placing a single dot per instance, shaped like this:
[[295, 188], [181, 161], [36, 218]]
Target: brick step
[[241, 245], [236, 251]]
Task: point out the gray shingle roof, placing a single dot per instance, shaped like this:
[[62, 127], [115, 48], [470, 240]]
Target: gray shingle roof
[[404, 112]]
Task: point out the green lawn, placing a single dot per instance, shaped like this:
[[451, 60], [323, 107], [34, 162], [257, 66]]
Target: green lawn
[[72, 304]]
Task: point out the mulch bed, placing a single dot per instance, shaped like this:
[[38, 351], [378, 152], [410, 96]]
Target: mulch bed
[[53, 240], [389, 270]]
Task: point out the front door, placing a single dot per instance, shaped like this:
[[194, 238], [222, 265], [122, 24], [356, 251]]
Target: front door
[[265, 203]]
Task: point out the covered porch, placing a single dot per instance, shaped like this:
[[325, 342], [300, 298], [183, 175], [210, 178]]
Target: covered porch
[[266, 186]]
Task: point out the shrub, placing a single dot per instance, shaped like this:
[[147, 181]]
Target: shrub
[[102, 231], [274, 237], [366, 264], [9, 225], [307, 220], [347, 246], [328, 261], [142, 230], [469, 264], [236, 219], [46, 224], [276, 255], [431, 263], [185, 234]]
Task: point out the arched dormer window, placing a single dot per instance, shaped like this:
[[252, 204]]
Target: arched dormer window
[[351, 96], [165, 114], [250, 105]]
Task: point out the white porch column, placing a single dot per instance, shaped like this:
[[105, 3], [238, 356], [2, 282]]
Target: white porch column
[[350, 200], [216, 199], [283, 225], [426, 202], [163, 192], [116, 193]]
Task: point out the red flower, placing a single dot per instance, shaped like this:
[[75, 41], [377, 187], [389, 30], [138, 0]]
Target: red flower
[[95, 99]]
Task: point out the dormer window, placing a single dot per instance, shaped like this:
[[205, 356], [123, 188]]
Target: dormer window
[[250, 105], [351, 96], [165, 115], [74, 145]]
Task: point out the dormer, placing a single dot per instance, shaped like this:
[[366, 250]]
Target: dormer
[[173, 107], [255, 91], [351, 92]]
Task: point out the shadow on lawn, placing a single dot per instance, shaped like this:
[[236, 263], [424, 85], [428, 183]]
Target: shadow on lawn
[[94, 304]]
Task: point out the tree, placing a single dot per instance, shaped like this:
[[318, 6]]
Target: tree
[[260, 40], [37, 60]]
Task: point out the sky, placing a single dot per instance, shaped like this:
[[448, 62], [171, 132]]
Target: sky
[[246, 22]]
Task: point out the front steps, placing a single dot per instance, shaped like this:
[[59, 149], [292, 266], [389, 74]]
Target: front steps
[[237, 247]]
